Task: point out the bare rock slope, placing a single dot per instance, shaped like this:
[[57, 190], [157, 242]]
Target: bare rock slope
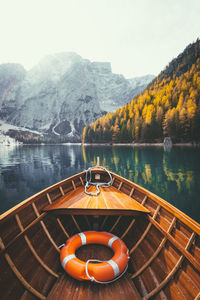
[[63, 93]]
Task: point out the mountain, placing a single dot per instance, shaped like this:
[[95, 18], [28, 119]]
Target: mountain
[[62, 94], [140, 83], [168, 107], [10, 76]]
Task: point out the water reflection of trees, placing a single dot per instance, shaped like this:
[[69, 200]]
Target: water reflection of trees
[[136, 164], [172, 175]]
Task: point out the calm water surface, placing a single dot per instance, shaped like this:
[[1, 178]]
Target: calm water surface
[[173, 175]]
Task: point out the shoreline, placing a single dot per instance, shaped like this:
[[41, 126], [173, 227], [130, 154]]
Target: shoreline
[[106, 144], [141, 144], [43, 144]]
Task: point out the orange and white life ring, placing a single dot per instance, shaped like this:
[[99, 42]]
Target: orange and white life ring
[[100, 272]]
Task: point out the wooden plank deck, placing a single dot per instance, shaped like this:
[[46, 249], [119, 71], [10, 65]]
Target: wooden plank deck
[[68, 288], [110, 201]]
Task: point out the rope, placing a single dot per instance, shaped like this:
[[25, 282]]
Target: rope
[[102, 282], [97, 184]]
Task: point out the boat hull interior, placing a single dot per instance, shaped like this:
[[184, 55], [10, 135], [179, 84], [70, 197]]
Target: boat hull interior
[[164, 246]]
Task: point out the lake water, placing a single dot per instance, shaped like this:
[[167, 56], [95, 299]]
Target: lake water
[[174, 175]]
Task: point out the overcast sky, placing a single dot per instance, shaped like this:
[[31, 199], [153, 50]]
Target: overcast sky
[[138, 37]]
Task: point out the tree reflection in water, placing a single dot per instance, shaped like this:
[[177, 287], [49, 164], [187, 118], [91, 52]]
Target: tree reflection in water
[[173, 174]]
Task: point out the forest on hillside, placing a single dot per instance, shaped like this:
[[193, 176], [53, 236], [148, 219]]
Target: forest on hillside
[[169, 106]]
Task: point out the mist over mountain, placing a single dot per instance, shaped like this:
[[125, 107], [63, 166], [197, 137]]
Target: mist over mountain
[[63, 93], [10, 75]]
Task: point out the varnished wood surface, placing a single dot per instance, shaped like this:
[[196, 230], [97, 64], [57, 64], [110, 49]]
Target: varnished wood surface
[[172, 209], [109, 198], [68, 288], [39, 195], [164, 244]]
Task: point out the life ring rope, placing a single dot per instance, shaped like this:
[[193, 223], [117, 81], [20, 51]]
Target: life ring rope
[[102, 282]]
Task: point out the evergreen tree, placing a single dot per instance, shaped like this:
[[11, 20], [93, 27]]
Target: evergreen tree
[[170, 106]]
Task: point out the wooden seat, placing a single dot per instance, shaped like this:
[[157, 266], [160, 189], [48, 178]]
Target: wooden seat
[[109, 201]]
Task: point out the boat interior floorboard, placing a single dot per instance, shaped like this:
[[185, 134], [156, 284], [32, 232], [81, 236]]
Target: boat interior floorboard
[[163, 243], [68, 288]]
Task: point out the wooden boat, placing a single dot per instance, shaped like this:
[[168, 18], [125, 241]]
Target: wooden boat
[[164, 243]]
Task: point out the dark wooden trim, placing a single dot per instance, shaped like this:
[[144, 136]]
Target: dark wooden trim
[[147, 263], [165, 281], [187, 254], [128, 229], [197, 296], [144, 200], [169, 207], [57, 219], [180, 215], [37, 196], [120, 185], [73, 184], [48, 198], [96, 211], [19, 275], [165, 236], [62, 227], [76, 224], [25, 230], [45, 228], [61, 190], [104, 221], [173, 271], [131, 192], [113, 179], [87, 221], [141, 238], [37, 257], [145, 232], [81, 179], [115, 224]]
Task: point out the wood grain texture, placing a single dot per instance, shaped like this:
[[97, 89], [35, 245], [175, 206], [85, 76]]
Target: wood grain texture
[[148, 261], [68, 288], [33, 250], [18, 274], [108, 199], [164, 244]]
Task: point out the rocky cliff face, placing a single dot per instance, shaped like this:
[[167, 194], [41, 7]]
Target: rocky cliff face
[[63, 93], [140, 83], [10, 76]]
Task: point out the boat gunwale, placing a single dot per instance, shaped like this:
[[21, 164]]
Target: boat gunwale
[[129, 188], [36, 196], [195, 226]]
